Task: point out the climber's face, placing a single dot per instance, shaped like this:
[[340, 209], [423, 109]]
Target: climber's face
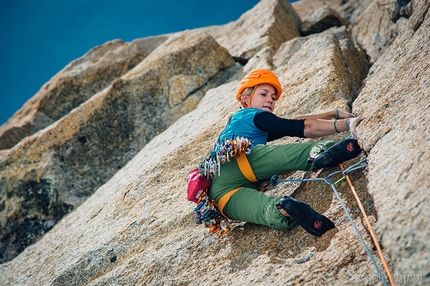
[[264, 98]]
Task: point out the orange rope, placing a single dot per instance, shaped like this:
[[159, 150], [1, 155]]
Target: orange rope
[[372, 233]]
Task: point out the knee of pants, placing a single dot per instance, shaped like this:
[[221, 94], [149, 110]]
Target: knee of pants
[[276, 220], [249, 205]]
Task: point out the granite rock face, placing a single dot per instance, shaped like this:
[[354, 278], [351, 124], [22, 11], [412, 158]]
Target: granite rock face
[[269, 24], [51, 172], [76, 83], [395, 99], [116, 164]]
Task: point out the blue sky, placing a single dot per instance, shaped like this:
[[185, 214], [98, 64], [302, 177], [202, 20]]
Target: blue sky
[[39, 38]]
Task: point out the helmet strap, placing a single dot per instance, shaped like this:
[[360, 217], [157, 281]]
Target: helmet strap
[[251, 96]]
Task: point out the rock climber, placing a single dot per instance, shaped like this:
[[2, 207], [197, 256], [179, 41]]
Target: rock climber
[[235, 189]]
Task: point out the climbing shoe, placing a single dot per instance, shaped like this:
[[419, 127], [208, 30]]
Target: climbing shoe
[[336, 154], [320, 147], [310, 220]]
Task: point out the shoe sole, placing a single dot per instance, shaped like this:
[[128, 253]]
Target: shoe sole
[[310, 220], [340, 152]]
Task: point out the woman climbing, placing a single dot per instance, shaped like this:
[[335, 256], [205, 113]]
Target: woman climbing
[[235, 188]]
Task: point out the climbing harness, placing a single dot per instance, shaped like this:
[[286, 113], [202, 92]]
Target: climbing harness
[[207, 212], [224, 152], [357, 166]]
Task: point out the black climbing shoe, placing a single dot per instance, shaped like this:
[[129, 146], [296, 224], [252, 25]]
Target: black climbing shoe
[[338, 153], [310, 220]]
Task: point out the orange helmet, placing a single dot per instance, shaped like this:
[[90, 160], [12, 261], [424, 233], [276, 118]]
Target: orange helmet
[[257, 77]]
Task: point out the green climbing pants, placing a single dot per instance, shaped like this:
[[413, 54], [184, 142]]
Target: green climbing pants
[[250, 205]]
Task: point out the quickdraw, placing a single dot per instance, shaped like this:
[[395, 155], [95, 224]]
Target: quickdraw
[[225, 151], [207, 214], [359, 165]]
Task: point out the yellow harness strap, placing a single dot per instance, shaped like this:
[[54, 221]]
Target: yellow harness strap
[[245, 168], [224, 199]]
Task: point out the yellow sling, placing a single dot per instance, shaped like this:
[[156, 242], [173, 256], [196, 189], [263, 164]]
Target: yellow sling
[[245, 168]]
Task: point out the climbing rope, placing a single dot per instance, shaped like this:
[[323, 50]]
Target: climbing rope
[[372, 233], [357, 166]]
